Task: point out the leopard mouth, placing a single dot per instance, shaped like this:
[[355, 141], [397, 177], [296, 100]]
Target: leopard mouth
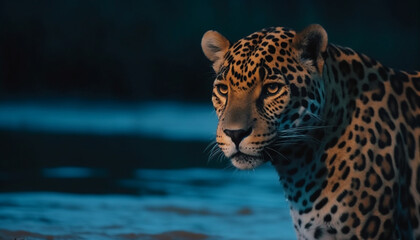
[[244, 161]]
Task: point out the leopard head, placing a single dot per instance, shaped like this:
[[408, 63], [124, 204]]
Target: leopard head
[[267, 88]]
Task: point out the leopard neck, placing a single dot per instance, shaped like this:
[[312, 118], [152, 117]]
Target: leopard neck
[[305, 168]]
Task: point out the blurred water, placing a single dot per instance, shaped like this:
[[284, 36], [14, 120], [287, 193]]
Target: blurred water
[[167, 120], [158, 204], [170, 204]]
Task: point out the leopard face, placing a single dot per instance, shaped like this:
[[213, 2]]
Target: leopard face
[[266, 92]]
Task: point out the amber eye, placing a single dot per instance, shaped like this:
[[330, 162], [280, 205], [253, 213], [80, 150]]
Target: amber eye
[[222, 89], [272, 89]]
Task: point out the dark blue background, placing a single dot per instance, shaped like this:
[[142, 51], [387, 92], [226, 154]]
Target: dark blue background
[[142, 50], [130, 52]]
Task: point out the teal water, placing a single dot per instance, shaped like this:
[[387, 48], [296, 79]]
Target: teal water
[[170, 204], [193, 203]]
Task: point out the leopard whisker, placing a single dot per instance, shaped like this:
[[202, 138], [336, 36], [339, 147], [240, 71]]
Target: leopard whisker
[[210, 146]]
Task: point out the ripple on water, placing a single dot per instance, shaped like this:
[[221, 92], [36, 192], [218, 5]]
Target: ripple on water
[[197, 204]]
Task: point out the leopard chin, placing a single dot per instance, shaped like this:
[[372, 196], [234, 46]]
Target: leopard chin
[[246, 162]]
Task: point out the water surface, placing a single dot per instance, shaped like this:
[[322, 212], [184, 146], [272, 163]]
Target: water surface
[[170, 204]]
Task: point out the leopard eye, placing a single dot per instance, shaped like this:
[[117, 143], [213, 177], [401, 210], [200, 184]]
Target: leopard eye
[[222, 89], [272, 89]]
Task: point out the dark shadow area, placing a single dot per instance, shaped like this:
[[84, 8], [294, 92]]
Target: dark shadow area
[[103, 160], [105, 114], [147, 50]]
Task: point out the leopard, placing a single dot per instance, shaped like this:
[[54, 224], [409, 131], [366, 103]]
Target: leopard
[[341, 130]]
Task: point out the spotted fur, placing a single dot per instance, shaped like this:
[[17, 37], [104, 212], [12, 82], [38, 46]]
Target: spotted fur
[[341, 129]]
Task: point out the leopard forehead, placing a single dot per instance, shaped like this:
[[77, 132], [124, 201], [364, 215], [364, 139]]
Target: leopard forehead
[[257, 57]]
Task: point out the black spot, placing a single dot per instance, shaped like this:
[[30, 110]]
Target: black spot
[[384, 209], [372, 136], [388, 172], [300, 183], [294, 90], [379, 160], [371, 227], [397, 82], [236, 48], [331, 172], [393, 106], [358, 69], [355, 183], [321, 172], [383, 114], [309, 186], [383, 73], [413, 98], [366, 61], [352, 201], [318, 233], [271, 49], [321, 203], [360, 164], [268, 58], [408, 116], [284, 70], [315, 195], [342, 165], [334, 188], [345, 230], [334, 50], [289, 34], [297, 196], [345, 173], [411, 147], [379, 92], [280, 59], [344, 217], [356, 220], [342, 144], [334, 209], [282, 52], [377, 182], [342, 195], [344, 67], [291, 68], [370, 205], [327, 218], [372, 77], [385, 140]]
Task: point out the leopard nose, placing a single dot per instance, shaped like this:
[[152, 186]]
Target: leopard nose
[[237, 135]]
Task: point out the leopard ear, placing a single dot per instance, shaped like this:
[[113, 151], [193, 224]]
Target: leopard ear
[[214, 46], [311, 43]]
